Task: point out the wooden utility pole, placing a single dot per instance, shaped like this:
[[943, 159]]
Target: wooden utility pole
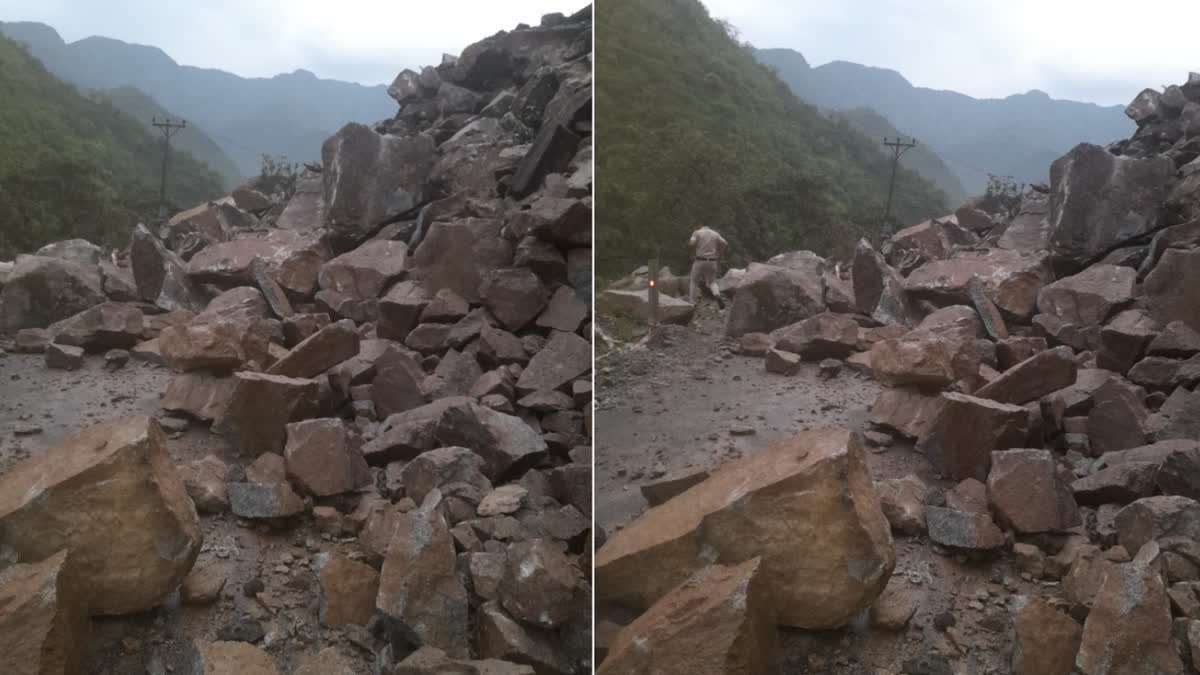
[[898, 146], [652, 296], [168, 129]]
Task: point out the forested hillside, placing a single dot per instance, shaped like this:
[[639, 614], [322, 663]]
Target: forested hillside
[[692, 129], [71, 166]]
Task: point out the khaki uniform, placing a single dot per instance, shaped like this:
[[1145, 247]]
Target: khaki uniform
[[707, 245]]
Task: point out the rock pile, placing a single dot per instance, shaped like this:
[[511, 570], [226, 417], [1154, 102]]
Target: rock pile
[[399, 352], [1044, 359]]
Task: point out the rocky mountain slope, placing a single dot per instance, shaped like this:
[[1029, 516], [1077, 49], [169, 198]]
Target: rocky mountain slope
[[1016, 136], [371, 450], [1039, 380], [289, 114]]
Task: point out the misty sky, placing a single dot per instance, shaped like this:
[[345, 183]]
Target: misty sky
[[1099, 52], [364, 41]]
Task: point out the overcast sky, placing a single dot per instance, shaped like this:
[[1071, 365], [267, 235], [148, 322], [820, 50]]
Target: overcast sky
[[365, 41], [1089, 51]]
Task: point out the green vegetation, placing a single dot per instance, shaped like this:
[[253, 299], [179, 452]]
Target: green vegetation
[[1003, 195], [75, 167], [694, 130], [277, 175]]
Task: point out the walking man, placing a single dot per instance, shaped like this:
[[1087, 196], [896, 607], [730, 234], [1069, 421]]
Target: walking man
[[705, 247]]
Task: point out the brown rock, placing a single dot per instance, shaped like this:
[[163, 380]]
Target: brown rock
[[159, 274], [264, 500], [894, 607], [824, 336], [1015, 349], [514, 296], [989, 314], [500, 637], [965, 431], [348, 590], [323, 350], [962, 529], [202, 586], [405, 435], [719, 620], [461, 255], [506, 443], [1177, 340], [1033, 378], [499, 347], [199, 395], [1122, 483], [879, 289], [770, 297], [541, 586], [272, 292], [903, 503], [1152, 518], [1088, 298], [204, 480], [1011, 280], [1085, 573], [503, 500], [363, 273], [207, 345], [320, 458], [44, 626], [442, 467], [400, 309], [904, 410], [1124, 340], [229, 658], [64, 357], [1128, 629], [455, 374], [328, 661], [120, 467], [756, 344], [820, 472], [1170, 287], [1118, 417], [1027, 492], [109, 325], [927, 363], [659, 491], [1030, 559], [565, 357], [1046, 640], [260, 408], [782, 363], [418, 585], [564, 312], [397, 383]]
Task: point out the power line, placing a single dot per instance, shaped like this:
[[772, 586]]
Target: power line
[[168, 129], [899, 147]]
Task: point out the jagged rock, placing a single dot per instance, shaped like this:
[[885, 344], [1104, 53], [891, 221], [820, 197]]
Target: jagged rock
[[320, 458], [119, 467], [1088, 298], [199, 395], [962, 529], [770, 297], [506, 443], [968, 495], [1117, 418], [1011, 280], [719, 620], [372, 178], [292, 259], [541, 586], [878, 289], [894, 608], [1099, 201], [820, 472], [1177, 340], [361, 274], [261, 406], [44, 626], [305, 211], [400, 309], [1033, 378], [204, 480], [904, 410], [1128, 629], [514, 296], [923, 361], [565, 311], [1027, 491], [328, 661], [79, 251], [903, 503], [1170, 288], [500, 637], [318, 353], [348, 590], [438, 468], [407, 434], [824, 336], [637, 305], [227, 658], [419, 588], [397, 383], [565, 357], [461, 255], [205, 345], [41, 290], [659, 491], [1124, 340], [202, 585], [64, 357], [1045, 639], [781, 362], [1152, 518], [31, 340], [1121, 483], [109, 325], [960, 439], [989, 314], [263, 500], [1179, 471]]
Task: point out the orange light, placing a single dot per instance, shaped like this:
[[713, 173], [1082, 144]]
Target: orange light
[[651, 283]]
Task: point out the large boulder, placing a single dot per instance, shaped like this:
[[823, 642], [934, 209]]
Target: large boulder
[[966, 429], [160, 274], [361, 275], [1045, 639], [321, 459], [1010, 279], [878, 289], [111, 496], [1039, 375], [719, 620], [293, 260], [771, 297], [824, 336], [319, 352], [109, 325], [1171, 288], [44, 626], [1099, 201], [80, 251], [371, 178], [1028, 492], [260, 408], [1090, 297], [814, 487], [461, 255], [565, 357], [637, 305], [41, 290]]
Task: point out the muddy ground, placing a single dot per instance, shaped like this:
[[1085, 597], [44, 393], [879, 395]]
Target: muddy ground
[[40, 407], [688, 400]]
